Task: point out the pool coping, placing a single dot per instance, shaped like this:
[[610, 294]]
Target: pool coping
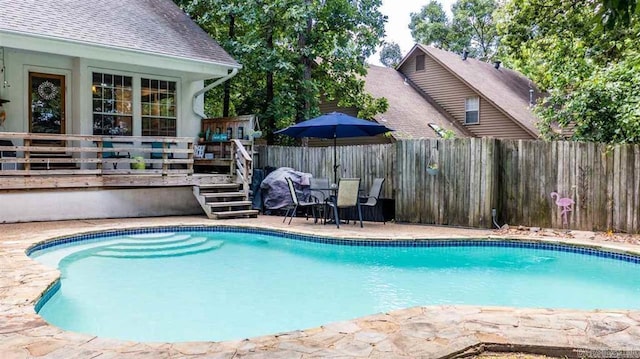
[[432, 332]]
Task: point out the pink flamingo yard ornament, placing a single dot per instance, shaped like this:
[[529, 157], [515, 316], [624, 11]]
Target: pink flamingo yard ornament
[[565, 204]]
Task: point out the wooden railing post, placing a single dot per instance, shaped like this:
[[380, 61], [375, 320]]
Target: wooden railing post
[[99, 164], [242, 163], [190, 158]]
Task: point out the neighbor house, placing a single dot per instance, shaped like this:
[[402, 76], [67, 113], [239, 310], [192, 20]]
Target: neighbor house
[[433, 92], [90, 71]]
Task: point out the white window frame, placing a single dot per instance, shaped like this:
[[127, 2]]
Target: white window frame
[[114, 112], [137, 92], [162, 116], [472, 104]]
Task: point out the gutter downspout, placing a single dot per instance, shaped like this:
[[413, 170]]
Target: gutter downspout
[[234, 71]]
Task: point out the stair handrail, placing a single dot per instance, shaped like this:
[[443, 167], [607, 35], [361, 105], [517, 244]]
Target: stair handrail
[[242, 165]]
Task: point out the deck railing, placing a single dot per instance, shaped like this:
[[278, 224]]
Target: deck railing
[[32, 154], [242, 165]]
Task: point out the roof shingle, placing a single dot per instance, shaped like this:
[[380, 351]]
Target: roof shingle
[[148, 26], [408, 114]]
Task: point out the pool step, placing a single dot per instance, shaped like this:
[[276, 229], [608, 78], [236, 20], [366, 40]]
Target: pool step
[[135, 247], [135, 241], [202, 245]]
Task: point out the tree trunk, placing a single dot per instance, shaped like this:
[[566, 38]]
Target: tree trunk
[[270, 119], [227, 85], [304, 104]]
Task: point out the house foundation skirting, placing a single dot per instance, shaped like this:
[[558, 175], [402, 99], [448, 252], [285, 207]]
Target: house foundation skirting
[[64, 204]]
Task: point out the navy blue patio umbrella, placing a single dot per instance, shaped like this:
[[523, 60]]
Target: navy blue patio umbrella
[[334, 125]]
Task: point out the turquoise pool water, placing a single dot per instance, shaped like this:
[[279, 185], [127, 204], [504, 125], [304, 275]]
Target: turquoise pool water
[[191, 286]]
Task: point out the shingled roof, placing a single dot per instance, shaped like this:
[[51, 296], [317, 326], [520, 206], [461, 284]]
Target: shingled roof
[[145, 26], [508, 90], [409, 114]]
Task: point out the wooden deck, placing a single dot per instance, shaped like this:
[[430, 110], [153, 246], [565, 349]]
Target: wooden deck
[[46, 161]]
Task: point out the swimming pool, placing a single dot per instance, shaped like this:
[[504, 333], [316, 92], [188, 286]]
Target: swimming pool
[[188, 284]]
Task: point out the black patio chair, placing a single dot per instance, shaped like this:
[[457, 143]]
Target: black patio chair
[[374, 195], [296, 202]]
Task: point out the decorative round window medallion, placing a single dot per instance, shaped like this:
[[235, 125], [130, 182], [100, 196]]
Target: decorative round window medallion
[[47, 90]]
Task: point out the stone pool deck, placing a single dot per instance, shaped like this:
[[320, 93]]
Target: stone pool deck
[[420, 332]]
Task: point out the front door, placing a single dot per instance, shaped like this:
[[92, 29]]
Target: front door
[[46, 103]]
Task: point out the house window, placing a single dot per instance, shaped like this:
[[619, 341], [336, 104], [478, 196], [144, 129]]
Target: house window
[[112, 104], [158, 100], [420, 63], [472, 110]]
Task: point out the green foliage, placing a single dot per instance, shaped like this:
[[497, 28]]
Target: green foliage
[[619, 12], [590, 71], [448, 134], [602, 108], [431, 26], [390, 55], [472, 27], [291, 50]]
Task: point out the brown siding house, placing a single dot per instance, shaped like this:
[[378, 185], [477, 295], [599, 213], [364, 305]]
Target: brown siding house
[[499, 97], [433, 90]]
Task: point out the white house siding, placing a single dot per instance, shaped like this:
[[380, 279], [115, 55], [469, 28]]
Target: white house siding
[[450, 93], [78, 72], [27, 206]]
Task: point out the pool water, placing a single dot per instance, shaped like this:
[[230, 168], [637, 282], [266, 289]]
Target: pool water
[[193, 286]]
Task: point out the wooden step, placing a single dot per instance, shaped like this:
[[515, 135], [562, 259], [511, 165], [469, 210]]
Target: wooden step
[[218, 186], [231, 214], [222, 195], [228, 204]]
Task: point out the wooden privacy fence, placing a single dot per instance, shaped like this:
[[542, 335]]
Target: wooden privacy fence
[[603, 181], [461, 193], [474, 176], [366, 162]]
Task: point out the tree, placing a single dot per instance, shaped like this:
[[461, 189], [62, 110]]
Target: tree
[[590, 71], [475, 27], [431, 26], [292, 50], [472, 27], [390, 55]]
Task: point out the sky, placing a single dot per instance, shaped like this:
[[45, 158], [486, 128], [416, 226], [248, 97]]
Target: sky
[[397, 27]]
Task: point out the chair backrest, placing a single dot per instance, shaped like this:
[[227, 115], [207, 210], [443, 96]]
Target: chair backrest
[[292, 191], [156, 155], [376, 188], [323, 193], [374, 192], [108, 144], [348, 192]]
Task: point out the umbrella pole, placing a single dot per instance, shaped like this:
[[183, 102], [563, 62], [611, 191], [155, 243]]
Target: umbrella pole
[[335, 165]]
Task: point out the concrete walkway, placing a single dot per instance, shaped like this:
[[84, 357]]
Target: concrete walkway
[[421, 332]]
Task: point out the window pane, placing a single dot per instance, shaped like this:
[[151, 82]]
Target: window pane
[[472, 104], [471, 117], [419, 62], [158, 108], [112, 96]]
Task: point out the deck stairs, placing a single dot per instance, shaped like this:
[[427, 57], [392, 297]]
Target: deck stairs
[[224, 200]]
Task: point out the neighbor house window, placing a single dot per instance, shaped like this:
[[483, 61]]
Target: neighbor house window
[[158, 100], [472, 110], [419, 62], [112, 104]]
